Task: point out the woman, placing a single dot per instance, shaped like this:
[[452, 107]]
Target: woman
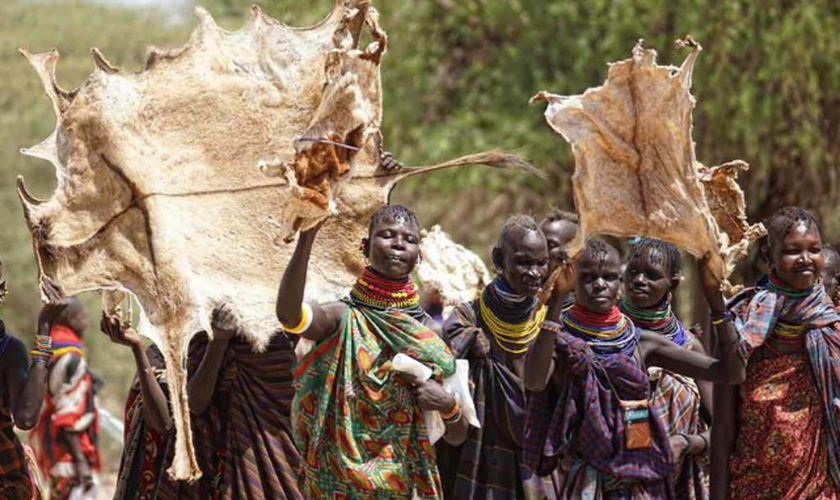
[[590, 403], [240, 404], [779, 431], [651, 276], [148, 429], [360, 431], [493, 333]]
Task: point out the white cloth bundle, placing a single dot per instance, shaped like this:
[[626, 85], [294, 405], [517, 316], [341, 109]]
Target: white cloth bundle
[[457, 384]]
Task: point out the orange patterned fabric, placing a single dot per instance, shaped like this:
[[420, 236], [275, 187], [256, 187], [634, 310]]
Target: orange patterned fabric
[[781, 429]]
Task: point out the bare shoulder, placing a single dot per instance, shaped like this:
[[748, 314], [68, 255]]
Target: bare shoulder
[[650, 342], [334, 310]]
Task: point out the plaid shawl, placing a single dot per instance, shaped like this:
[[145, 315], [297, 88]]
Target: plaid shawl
[[757, 311], [578, 414]]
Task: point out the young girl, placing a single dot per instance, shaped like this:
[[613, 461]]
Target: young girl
[[590, 401], [360, 431], [779, 432], [651, 276]]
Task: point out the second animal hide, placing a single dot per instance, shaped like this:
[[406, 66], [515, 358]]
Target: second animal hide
[[635, 167]]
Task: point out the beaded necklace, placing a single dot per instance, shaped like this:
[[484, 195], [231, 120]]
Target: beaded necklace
[[374, 290], [659, 319], [509, 317], [776, 285], [607, 334], [784, 332]]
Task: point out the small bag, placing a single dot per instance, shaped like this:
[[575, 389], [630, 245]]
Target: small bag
[[636, 416]]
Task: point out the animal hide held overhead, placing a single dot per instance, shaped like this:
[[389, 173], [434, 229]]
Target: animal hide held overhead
[[185, 184], [635, 168]]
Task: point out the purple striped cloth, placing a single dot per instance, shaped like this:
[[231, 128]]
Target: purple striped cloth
[[578, 415]]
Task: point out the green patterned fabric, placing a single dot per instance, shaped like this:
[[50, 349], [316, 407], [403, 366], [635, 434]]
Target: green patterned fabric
[[361, 433]]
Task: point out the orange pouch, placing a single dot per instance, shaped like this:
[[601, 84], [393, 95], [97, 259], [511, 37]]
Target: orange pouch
[[636, 416]]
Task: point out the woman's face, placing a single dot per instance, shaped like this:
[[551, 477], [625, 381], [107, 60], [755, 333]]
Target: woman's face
[[797, 260], [647, 280], [393, 247], [523, 260], [558, 235], [597, 282]]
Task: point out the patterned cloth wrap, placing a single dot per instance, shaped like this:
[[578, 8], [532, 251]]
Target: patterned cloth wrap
[[15, 479], [489, 464], [70, 406], [757, 312], [361, 433], [578, 417]]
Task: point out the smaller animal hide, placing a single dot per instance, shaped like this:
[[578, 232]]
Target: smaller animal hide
[[450, 269], [635, 167]]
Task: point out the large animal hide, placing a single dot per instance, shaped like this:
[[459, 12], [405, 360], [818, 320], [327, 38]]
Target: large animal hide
[[184, 184], [635, 168]]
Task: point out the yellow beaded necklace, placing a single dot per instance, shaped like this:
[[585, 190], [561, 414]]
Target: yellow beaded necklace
[[520, 334]]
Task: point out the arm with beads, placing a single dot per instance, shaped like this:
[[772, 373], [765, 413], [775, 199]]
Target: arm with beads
[[541, 361], [28, 389]]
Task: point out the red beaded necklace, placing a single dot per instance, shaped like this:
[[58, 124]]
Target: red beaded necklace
[[375, 290]]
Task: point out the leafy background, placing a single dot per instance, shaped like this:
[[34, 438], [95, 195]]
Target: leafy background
[[457, 77]]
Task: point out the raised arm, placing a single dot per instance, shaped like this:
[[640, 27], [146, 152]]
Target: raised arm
[[155, 408], [28, 382], [540, 360], [730, 368], [290, 294], [202, 384]]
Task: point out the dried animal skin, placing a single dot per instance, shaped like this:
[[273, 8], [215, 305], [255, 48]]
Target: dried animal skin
[[159, 193], [635, 168], [451, 270]]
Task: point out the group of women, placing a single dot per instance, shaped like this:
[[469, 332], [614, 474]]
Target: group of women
[[600, 393]]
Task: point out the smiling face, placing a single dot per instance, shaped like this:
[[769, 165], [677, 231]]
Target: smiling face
[[797, 257], [523, 260], [647, 279], [393, 246], [598, 280], [558, 235]]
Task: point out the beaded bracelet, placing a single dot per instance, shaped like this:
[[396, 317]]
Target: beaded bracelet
[[42, 352], [40, 357], [720, 318], [705, 444], [450, 416], [304, 323]]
